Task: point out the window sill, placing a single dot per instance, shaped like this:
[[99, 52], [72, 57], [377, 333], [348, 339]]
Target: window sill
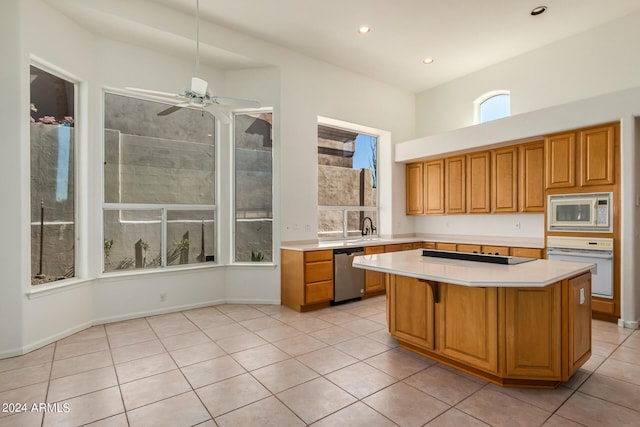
[[60, 286], [252, 265], [154, 271]]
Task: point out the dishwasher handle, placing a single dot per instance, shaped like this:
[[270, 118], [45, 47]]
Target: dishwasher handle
[[584, 254]]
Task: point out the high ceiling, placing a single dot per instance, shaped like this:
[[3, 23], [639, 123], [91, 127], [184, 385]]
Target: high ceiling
[[462, 36]]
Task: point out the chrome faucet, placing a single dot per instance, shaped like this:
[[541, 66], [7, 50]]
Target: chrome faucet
[[366, 230]]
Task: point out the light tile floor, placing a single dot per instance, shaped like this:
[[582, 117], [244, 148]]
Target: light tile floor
[[243, 365]]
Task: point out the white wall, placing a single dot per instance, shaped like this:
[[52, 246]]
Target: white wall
[[595, 62], [300, 89], [517, 226]]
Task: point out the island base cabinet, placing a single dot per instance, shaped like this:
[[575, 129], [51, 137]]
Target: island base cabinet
[[468, 325], [411, 311], [515, 337], [533, 333]]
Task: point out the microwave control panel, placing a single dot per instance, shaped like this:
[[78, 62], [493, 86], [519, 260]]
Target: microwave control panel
[[602, 215]]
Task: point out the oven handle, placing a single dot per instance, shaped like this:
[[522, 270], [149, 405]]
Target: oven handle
[[599, 255]]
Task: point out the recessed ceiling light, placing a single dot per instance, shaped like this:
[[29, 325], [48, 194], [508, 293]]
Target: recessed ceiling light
[[427, 61], [538, 10], [364, 30]]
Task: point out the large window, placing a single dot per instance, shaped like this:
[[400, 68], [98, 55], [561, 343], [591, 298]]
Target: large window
[[159, 181], [52, 146], [347, 183], [253, 228]]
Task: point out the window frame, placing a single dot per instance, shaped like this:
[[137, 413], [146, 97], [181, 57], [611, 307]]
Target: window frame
[[232, 174], [361, 130], [477, 104], [79, 259], [164, 207]]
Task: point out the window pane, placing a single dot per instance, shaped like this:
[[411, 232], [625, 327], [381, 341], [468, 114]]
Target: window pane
[[347, 176], [356, 222], [52, 147], [157, 159], [253, 187], [132, 239], [190, 236], [494, 108]]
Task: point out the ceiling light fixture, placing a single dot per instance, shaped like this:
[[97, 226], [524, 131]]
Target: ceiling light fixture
[[427, 61], [364, 30], [538, 10]]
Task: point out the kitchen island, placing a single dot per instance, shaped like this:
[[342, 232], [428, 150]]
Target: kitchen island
[[524, 325]]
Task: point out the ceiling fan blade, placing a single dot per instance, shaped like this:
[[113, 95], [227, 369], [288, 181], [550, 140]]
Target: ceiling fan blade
[[173, 109], [157, 94], [199, 86], [247, 103]]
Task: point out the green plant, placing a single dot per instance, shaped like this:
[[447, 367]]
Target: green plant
[[145, 248], [181, 245], [257, 256], [108, 245]]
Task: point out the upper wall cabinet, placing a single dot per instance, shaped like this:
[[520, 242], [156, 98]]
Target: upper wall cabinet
[[591, 161], [597, 156], [414, 178], [531, 178], [434, 187], [504, 188], [560, 160], [454, 184], [479, 182]]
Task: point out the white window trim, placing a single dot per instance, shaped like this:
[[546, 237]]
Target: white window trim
[[232, 177], [482, 98]]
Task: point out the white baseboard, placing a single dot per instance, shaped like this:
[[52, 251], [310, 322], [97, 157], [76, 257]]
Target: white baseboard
[[632, 324]]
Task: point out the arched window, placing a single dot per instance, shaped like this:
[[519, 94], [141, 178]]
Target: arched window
[[492, 105]]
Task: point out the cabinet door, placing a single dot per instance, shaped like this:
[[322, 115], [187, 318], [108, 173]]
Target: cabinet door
[[462, 247], [414, 189], [411, 311], [434, 187], [446, 246], [467, 321], [393, 248], [318, 292], [504, 180], [478, 182], [560, 160], [597, 156], [533, 337], [496, 250], [531, 177], [579, 311], [373, 280], [455, 185]]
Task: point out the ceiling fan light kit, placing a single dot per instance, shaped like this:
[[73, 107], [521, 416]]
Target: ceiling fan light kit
[[197, 96]]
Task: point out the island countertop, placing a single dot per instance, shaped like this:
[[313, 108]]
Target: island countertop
[[536, 273]]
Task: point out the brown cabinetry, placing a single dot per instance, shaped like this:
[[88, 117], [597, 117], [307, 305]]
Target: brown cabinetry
[[560, 160], [434, 187], [478, 186], [597, 156], [446, 246], [415, 192], [578, 310], [306, 278], [454, 184], [527, 252], [495, 250], [531, 179], [468, 325], [373, 280], [462, 247], [411, 314], [504, 182]]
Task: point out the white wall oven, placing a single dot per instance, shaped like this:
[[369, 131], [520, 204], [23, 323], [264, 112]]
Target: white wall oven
[[598, 251], [580, 212]]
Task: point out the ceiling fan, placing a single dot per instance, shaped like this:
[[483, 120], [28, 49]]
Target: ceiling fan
[[197, 96]]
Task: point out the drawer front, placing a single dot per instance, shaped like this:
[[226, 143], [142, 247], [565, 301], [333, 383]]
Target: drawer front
[[318, 271], [500, 250], [407, 246], [314, 256], [527, 252], [445, 246], [370, 250], [469, 248], [428, 245], [318, 292], [393, 248]]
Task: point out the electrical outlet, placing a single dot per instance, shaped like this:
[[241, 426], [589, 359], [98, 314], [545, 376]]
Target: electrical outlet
[[163, 296], [517, 225], [307, 228]]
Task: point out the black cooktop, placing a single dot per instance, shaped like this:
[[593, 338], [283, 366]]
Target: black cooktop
[[467, 256]]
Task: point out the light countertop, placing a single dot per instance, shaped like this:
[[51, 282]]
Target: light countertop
[[537, 273], [525, 242]]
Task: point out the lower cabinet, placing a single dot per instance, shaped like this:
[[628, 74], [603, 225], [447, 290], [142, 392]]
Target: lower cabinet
[[527, 337], [306, 279], [468, 325], [373, 280]]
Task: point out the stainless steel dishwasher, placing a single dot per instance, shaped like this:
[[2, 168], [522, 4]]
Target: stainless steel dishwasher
[[348, 282]]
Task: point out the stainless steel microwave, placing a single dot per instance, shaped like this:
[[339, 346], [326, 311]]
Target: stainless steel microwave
[[580, 212]]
